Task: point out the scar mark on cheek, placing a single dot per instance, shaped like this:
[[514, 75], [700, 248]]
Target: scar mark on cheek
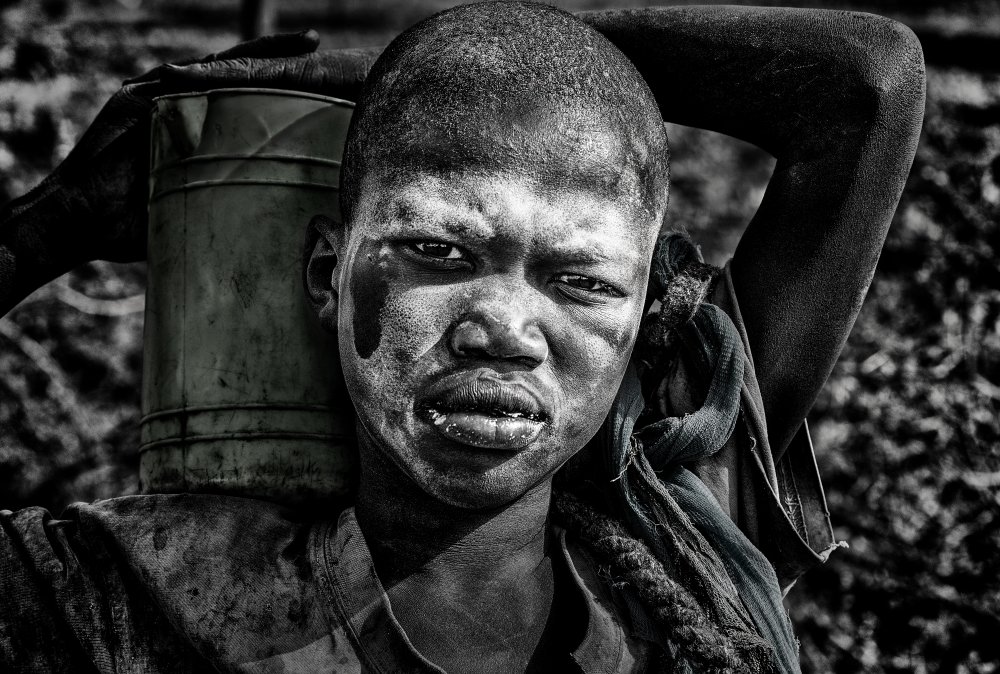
[[369, 291]]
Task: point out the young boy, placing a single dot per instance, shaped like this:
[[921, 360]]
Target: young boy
[[504, 183]]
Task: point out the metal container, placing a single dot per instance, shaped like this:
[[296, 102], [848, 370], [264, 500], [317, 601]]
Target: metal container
[[242, 390]]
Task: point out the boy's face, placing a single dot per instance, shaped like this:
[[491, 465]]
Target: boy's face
[[485, 322]]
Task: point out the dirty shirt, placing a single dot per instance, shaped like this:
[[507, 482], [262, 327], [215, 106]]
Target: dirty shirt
[[198, 583]]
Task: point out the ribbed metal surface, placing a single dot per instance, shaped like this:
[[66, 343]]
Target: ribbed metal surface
[[241, 388]]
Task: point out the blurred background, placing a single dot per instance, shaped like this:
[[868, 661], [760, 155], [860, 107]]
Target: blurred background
[[906, 430]]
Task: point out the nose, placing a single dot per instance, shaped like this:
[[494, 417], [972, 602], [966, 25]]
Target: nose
[[499, 336]]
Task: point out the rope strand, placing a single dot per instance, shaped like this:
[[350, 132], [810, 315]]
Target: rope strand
[[676, 614]]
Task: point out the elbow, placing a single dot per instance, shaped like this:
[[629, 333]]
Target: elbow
[[901, 74], [890, 68]]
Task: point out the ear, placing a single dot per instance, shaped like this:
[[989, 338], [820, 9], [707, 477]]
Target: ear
[[324, 238]]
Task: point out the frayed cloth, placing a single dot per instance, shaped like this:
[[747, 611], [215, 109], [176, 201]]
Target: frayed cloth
[[666, 504]]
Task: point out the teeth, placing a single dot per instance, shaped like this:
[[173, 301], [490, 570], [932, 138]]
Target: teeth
[[511, 414], [517, 415], [438, 417]]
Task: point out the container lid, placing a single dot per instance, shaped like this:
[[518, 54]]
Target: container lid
[[244, 123]]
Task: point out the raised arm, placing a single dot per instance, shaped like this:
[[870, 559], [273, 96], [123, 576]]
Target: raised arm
[[837, 97]]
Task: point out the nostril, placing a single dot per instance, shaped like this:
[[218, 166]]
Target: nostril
[[489, 338], [470, 339], [535, 347]]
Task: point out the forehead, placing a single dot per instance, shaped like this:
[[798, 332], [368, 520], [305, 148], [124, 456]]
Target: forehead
[[507, 208], [573, 147]]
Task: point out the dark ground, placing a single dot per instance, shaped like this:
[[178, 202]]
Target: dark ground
[[906, 429]]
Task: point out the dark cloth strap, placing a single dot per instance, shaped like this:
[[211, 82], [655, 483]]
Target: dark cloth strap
[[667, 504]]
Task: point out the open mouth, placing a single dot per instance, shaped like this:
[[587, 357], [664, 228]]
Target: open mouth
[[486, 412]]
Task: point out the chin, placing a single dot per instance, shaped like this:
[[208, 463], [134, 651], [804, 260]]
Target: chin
[[476, 492], [499, 480], [470, 476]]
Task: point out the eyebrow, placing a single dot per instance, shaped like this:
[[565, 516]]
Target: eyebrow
[[591, 254], [449, 219], [420, 215], [444, 226]]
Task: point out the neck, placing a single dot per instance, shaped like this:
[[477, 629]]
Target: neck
[[408, 531], [471, 588]]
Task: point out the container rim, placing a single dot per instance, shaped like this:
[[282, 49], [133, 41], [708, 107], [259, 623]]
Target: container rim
[[290, 93]]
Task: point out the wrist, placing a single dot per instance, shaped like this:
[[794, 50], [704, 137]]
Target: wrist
[[37, 243]]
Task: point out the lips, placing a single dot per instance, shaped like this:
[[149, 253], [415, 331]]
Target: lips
[[485, 411]]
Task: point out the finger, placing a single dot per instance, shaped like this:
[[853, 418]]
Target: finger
[[271, 46], [333, 73], [155, 74], [126, 113]]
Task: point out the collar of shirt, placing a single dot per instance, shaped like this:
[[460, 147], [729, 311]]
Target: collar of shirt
[[253, 590], [359, 611]]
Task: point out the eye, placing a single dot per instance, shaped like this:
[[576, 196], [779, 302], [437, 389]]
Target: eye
[[438, 250], [588, 284]]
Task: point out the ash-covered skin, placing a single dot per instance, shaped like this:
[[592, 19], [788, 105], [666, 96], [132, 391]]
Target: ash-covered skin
[[504, 180], [508, 303]]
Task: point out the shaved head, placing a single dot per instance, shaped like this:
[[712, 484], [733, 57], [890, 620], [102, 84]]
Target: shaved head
[[509, 86]]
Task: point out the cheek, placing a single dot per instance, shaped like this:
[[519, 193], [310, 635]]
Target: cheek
[[594, 343], [415, 322], [386, 319], [369, 290], [390, 322], [593, 359]]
